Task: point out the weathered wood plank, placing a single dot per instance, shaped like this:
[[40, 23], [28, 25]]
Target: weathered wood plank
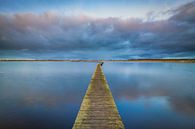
[[98, 109]]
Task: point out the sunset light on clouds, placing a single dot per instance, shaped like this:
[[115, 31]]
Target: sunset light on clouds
[[87, 29]]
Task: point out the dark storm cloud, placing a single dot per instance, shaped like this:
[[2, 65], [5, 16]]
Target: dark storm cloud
[[125, 37], [185, 13]]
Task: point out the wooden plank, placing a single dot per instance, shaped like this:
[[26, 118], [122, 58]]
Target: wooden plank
[[98, 109]]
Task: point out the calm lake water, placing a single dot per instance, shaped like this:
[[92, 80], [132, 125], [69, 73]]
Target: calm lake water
[[47, 95]]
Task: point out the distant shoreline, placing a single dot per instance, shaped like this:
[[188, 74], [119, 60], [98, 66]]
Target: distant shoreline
[[130, 60]]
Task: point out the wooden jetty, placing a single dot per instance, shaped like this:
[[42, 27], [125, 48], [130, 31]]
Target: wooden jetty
[[98, 109]]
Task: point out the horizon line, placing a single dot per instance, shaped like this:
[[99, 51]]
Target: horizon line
[[103, 60]]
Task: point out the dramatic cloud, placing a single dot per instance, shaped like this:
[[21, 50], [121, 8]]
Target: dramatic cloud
[[122, 38], [185, 13]]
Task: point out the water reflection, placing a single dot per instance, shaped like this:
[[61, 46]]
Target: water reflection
[[41, 95], [170, 80], [154, 95], [48, 95]]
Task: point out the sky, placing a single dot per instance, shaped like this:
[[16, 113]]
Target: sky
[[103, 29]]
